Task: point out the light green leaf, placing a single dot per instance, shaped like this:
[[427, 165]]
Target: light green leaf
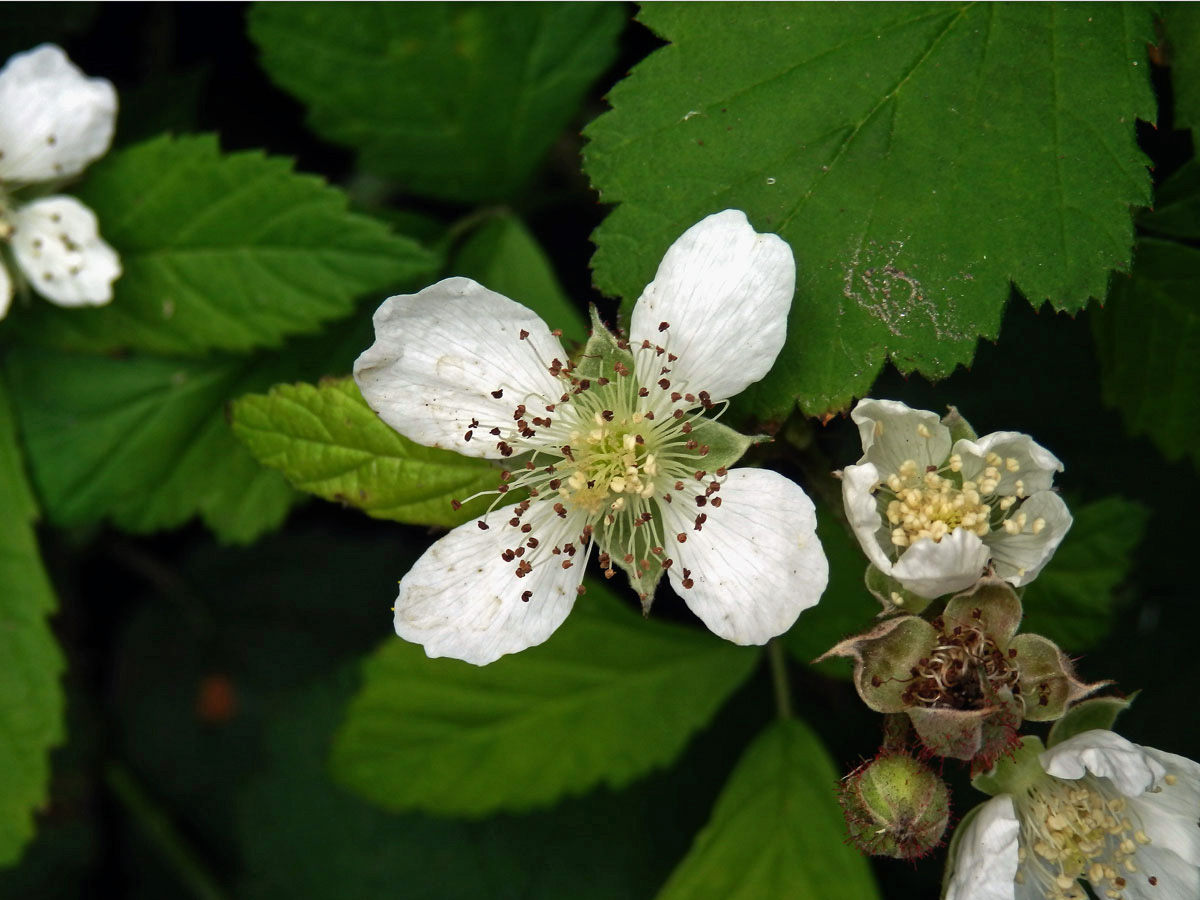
[[222, 252], [31, 697], [917, 158], [776, 830], [455, 100], [1097, 713], [1148, 342], [327, 441], [1181, 23], [607, 698], [502, 255], [1072, 601], [144, 440]]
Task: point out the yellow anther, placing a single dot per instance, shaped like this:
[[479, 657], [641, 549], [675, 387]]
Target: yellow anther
[[617, 486], [1012, 464], [1020, 487], [923, 430], [900, 538], [1039, 525], [993, 458], [955, 462], [1170, 779]]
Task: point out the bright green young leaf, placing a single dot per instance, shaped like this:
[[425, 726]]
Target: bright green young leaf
[[1148, 342], [502, 255], [1181, 22], [776, 830], [917, 158], [458, 101], [31, 698], [327, 441], [1072, 600], [607, 698], [226, 252], [144, 441]]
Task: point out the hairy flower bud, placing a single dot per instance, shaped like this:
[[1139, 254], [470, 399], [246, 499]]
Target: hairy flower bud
[[895, 806]]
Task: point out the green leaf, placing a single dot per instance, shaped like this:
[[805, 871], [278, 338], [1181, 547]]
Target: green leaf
[[846, 607], [1148, 342], [1181, 22], [776, 830], [225, 252], [502, 255], [1099, 713], [1072, 600], [458, 101], [327, 441], [608, 698], [917, 158], [144, 441], [31, 697], [1176, 212]]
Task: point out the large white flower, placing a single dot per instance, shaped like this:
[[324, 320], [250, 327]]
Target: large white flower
[[934, 516], [612, 453], [54, 121], [1120, 816]]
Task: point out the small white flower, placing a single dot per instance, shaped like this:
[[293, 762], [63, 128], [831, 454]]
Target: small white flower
[[54, 121], [1104, 810], [615, 460], [934, 516]]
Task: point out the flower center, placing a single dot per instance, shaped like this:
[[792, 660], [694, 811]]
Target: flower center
[[932, 502], [966, 670], [1077, 829]]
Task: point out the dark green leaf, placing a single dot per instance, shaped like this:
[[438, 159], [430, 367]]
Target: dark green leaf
[[1148, 341], [1176, 211], [609, 697], [327, 441], [918, 159], [454, 100], [222, 252], [776, 830], [31, 698], [1181, 22], [1072, 600]]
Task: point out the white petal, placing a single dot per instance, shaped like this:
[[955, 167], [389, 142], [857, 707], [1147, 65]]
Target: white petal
[[440, 354], [1033, 465], [862, 511], [57, 244], [891, 433], [1169, 811], [756, 563], [931, 568], [462, 600], [53, 119], [6, 290], [1106, 755], [725, 292], [985, 865], [1175, 878], [1018, 558]]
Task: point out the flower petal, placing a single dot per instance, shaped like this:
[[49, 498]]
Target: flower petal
[[53, 119], [57, 244], [1169, 815], [462, 600], [720, 282], [1106, 755], [985, 862], [6, 290], [1018, 558], [1174, 878], [931, 568], [755, 563], [862, 511], [440, 355], [891, 434], [1025, 460]]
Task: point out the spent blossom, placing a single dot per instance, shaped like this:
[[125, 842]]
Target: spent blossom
[[619, 454], [934, 513], [1095, 808], [54, 121]]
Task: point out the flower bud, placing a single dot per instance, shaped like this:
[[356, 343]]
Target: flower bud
[[895, 806]]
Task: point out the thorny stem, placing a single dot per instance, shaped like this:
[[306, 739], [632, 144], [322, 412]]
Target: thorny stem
[[779, 678], [162, 834]]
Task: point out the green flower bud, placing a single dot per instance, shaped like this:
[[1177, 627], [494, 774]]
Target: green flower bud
[[895, 806]]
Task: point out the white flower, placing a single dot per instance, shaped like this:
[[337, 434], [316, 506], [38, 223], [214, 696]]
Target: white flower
[[933, 516], [611, 453], [54, 121], [1119, 816]]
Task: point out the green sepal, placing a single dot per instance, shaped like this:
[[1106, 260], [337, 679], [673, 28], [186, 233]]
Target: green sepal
[[1099, 713], [960, 428], [891, 594], [725, 446], [603, 351], [644, 583], [1012, 773]]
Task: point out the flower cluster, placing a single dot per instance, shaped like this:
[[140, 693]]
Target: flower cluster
[[619, 453], [54, 121]]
